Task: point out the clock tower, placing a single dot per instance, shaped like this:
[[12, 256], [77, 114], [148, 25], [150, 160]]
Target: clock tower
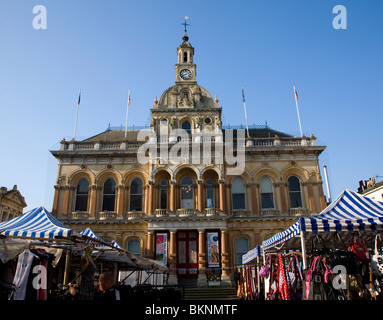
[[186, 105], [185, 68]]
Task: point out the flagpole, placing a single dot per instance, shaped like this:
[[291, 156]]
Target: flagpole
[[244, 106], [75, 125], [296, 103], [127, 111]]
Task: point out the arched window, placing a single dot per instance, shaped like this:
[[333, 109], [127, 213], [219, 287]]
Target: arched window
[[136, 195], [187, 200], [109, 195], [241, 248], [295, 192], [82, 195], [185, 56], [209, 193], [164, 194], [186, 126], [134, 246], [267, 193], [238, 193]]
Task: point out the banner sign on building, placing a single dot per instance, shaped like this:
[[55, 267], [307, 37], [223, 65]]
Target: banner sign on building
[[162, 247], [213, 249]]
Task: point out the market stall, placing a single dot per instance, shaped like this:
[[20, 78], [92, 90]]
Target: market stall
[[341, 235], [32, 247], [34, 241], [247, 277]]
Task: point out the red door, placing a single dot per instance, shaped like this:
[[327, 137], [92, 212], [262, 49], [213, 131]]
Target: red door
[[187, 254]]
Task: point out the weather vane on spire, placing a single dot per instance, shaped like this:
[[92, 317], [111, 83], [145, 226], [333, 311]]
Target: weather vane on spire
[[186, 24]]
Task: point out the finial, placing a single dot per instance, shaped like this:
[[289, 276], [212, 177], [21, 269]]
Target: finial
[[216, 100], [185, 37], [155, 102]]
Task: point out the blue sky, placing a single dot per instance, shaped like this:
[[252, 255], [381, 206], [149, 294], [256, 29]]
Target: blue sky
[[105, 47]]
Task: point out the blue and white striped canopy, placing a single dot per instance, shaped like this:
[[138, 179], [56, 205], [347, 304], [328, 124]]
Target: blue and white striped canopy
[[349, 212], [35, 224], [89, 233], [252, 254]]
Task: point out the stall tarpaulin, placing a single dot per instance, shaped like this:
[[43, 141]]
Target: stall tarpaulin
[[37, 223], [251, 255], [102, 245], [97, 242], [349, 212]]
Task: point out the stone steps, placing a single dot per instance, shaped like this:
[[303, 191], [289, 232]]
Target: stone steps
[[209, 293]]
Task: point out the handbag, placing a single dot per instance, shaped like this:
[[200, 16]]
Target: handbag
[[294, 278], [360, 249], [377, 260], [318, 282], [342, 257], [265, 269]]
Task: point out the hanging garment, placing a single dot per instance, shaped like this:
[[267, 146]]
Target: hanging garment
[[377, 259], [20, 280], [283, 286]]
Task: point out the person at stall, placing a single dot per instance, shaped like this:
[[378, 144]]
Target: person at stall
[[107, 290]]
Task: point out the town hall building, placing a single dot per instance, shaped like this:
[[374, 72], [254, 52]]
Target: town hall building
[[187, 190]]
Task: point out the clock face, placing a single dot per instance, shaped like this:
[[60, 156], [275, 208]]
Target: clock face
[[185, 74]]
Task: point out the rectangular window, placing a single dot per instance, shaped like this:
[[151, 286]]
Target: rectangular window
[[238, 201], [267, 200], [136, 203]]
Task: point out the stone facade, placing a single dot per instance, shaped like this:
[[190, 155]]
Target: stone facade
[[12, 203], [187, 188]]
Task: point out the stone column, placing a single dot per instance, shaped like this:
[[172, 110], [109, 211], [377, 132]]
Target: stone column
[[55, 202], [150, 197], [200, 196], [93, 200], [282, 190], [225, 277], [311, 197], [222, 196], [322, 199], [172, 206], [149, 245], [121, 200], [254, 198], [65, 206], [202, 282], [172, 258]]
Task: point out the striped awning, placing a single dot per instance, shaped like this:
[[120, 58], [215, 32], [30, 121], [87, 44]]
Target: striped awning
[[252, 254], [98, 243], [35, 224], [349, 212]]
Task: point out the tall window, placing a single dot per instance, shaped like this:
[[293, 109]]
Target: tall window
[[295, 192], [238, 193], [187, 200], [241, 248], [109, 195], [136, 195], [267, 193], [186, 126], [164, 194], [185, 57], [134, 246], [209, 193], [82, 195]]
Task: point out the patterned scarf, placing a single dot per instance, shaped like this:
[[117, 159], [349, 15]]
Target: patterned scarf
[[283, 286]]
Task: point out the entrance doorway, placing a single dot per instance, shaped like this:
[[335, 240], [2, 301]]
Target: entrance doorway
[[187, 254]]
